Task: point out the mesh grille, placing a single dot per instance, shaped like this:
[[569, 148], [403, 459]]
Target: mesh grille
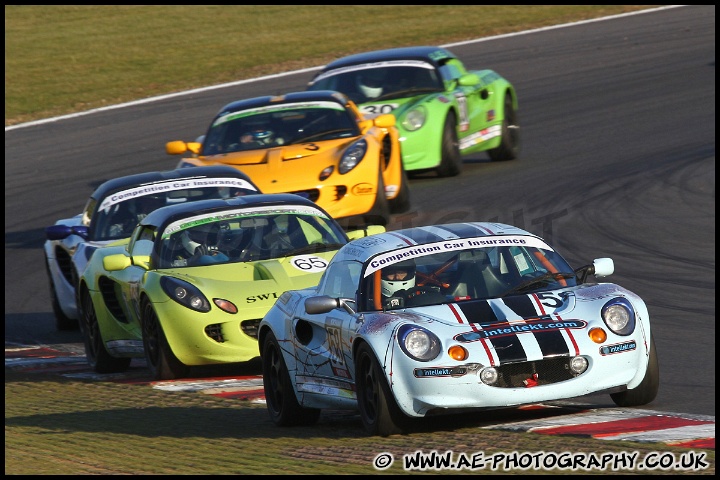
[[250, 327], [64, 263], [340, 192], [549, 371], [108, 289], [214, 331], [312, 194]]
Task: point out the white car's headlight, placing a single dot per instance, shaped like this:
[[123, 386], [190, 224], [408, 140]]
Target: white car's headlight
[[415, 118], [418, 343], [352, 156], [619, 316]]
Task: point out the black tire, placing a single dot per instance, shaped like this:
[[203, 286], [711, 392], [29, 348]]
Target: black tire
[[282, 404], [648, 388], [510, 136], [401, 203], [379, 214], [62, 321], [163, 364], [96, 354], [379, 412], [450, 160]]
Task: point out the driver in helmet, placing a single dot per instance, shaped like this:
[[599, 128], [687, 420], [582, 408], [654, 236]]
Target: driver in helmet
[[400, 289], [130, 213], [395, 281], [370, 83], [144, 206], [260, 137], [201, 244]]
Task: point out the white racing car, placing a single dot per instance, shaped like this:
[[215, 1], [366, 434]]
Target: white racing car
[[440, 319], [110, 215]]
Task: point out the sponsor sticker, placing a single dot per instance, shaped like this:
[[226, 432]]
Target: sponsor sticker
[[618, 348]]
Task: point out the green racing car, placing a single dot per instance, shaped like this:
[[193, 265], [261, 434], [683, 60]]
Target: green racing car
[[443, 110]]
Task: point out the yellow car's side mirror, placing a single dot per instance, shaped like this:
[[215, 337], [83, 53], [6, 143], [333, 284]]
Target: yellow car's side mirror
[[369, 230]]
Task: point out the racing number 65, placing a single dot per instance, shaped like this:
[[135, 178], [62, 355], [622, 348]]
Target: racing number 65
[[310, 263]]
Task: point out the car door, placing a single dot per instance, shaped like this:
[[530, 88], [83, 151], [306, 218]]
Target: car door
[[129, 280], [472, 108], [329, 353]]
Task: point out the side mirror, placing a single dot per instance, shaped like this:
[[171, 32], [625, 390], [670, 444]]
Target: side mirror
[[61, 232], [385, 120], [321, 304], [194, 147], [177, 147], [368, 230], [468, 80], [325, 304], [603, 267], [117, 262]]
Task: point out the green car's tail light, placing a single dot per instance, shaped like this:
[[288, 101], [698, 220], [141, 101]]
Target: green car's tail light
[[185, 294], [352, 156]]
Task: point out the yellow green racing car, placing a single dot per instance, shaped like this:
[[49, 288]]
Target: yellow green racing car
[[192, 283]]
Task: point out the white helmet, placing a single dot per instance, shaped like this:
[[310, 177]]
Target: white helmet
[[400, 276], [370, 83], [189, 244], [203, 235]]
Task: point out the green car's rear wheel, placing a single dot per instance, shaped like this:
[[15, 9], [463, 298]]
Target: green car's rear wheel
[[510, 137]]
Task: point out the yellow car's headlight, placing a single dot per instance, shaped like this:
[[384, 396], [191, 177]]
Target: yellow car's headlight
[[352, 156]]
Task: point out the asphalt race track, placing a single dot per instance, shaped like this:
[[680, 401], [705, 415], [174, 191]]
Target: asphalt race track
[[618, 160]]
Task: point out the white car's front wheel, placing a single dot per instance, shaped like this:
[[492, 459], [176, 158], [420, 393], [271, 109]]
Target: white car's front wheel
[[648, 388], [379, 412]]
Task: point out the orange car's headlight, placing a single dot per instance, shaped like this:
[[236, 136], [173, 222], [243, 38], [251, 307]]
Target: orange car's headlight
[[352, 156]]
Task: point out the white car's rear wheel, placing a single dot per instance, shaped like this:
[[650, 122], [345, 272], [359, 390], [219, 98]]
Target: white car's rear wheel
[[62, 321]]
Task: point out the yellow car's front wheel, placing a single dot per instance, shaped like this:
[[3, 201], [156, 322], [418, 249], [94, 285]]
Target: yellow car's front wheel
[[161, 361]]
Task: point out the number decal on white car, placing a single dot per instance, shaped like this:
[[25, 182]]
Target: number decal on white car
[[550, 300]]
